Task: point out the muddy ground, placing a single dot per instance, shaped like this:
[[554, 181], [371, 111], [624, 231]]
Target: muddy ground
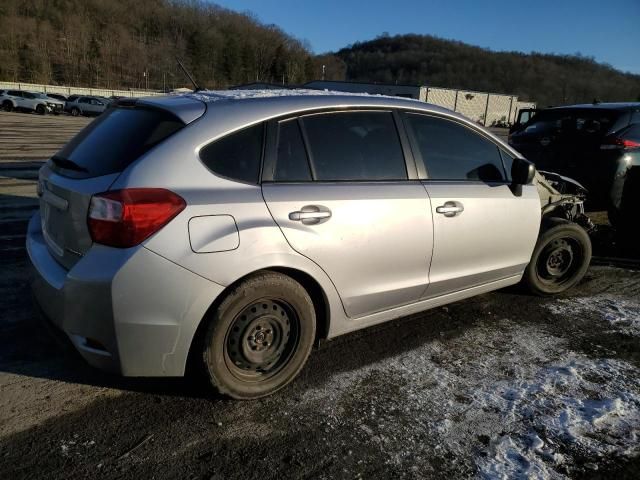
[[503, 385]]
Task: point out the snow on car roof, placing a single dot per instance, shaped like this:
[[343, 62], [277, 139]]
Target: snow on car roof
[[218, 95]]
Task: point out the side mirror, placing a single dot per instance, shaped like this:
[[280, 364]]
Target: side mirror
[[522, 172]]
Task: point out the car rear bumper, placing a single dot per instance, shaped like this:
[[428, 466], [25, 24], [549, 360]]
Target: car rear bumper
[[127, 311]]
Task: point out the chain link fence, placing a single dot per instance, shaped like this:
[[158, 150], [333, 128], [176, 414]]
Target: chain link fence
[[102, 92], [488, 109]]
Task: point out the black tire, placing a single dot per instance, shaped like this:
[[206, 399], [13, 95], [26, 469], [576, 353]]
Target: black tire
[[7, 106], [560, 259], [75, 112], [41, 110], [260, 336]]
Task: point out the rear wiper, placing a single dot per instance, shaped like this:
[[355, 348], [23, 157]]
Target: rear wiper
[[67, 164]]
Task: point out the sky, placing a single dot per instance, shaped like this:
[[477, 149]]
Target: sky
[[608, 30]]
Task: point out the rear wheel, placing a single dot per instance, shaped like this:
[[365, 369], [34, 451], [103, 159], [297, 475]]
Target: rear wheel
[[41, 110], [560, 259], [260, 336], [7, 106]]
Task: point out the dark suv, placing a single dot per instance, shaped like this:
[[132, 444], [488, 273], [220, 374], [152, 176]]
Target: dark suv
[[597, 144]]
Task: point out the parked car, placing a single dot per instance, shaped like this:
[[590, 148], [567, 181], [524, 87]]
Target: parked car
[[596, 144], [86, 105], [237, 231], [57, 96], [24, 101]]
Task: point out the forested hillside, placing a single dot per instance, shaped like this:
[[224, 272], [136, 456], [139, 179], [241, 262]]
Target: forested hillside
[[111, 43], [546, 79]]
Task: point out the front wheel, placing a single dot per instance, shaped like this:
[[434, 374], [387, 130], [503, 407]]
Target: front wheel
[[560, 259], [7, 106], [75, 112], [41, 110], [259, 337]]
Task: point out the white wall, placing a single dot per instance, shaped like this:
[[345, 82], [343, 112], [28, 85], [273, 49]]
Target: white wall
[[103, 92]]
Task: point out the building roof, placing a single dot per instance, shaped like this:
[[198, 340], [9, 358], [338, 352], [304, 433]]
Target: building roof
[[603, 105], [377, 84]]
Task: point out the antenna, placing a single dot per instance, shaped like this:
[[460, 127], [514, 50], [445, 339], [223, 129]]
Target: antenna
[[188, 75]]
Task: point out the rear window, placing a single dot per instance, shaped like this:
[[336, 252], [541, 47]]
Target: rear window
[[114, 140], [237, 156], [582, 121]]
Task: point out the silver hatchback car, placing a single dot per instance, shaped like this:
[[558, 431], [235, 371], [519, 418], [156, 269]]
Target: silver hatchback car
[[237, 228]]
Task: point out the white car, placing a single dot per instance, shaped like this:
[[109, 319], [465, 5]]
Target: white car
[[86, 105], [237, 228], [30, 102]]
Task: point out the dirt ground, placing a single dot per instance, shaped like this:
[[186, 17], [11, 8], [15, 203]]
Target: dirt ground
[[503, 385]]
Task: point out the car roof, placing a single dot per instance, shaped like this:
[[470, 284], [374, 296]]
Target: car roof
[[242, 108], [273, 103]]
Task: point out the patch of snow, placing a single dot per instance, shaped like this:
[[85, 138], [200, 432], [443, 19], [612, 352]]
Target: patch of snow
[[622, 313], [510, 402], [590, 407]]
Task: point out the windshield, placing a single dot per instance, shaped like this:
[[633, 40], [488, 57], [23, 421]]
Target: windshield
[[117, 138]]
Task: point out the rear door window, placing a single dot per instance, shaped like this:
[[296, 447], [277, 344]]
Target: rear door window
[[354, 146], [292, 164], [237, 156], [451, 151], [115, 139]]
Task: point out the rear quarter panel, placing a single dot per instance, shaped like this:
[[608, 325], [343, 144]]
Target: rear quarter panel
[[175, 165]]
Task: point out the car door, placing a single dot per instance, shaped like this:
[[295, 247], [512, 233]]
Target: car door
[[484, 230], [17, 97], [84, 104], [96, 106], [337, 185]]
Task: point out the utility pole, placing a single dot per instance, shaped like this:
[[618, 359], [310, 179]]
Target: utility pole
[[324, 69]]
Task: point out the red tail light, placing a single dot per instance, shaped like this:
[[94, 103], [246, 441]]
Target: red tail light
[[124, 218], [617, 142]]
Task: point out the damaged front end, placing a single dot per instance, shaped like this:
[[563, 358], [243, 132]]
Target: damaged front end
[[562, 197]]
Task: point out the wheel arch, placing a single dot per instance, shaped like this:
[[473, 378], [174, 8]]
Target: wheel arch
[[549, 221], [311, 285]]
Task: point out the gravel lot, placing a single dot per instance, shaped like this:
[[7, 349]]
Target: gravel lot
[[503, 385]]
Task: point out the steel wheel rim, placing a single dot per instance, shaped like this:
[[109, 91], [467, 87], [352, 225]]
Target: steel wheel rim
[[261, 340], [559, 261]]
